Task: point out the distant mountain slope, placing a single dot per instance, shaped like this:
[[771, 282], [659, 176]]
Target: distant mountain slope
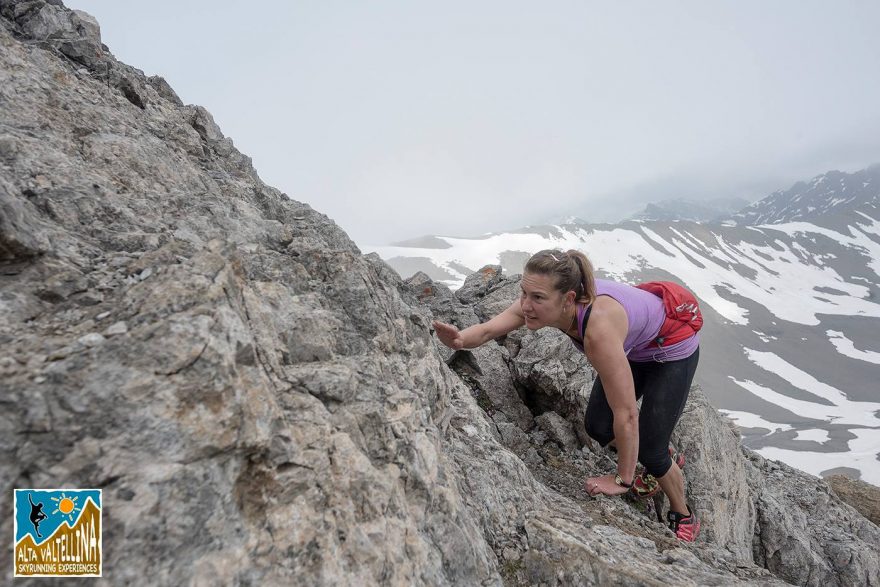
[[684, 209], [831, 193]]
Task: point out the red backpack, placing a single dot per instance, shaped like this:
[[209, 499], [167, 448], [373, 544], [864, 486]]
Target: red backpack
[[683, 316]]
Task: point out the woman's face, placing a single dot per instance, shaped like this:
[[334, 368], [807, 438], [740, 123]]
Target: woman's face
[[541, 303]]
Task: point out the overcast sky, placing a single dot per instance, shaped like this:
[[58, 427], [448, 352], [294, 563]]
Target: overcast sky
[[403, 118]]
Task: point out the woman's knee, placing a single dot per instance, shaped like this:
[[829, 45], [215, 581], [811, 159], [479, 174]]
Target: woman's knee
[[656, 462], [599, 430]]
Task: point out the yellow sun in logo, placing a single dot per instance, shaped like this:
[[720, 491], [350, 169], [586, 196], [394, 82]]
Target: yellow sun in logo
[[66, 505]]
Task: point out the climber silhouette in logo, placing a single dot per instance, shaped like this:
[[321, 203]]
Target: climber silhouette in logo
[[37, 515]]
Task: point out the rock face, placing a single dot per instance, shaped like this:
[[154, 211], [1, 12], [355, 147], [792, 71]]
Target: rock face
[[262, 404], [254, 397], [864, 497], [806, 534], [717, 476]]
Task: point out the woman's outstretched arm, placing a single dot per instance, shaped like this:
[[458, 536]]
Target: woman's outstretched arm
[[474, 336]]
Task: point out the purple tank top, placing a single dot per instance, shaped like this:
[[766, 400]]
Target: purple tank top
[[645, 314]]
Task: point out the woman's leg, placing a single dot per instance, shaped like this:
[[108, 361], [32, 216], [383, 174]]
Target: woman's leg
[[599, 419], [665, 388]]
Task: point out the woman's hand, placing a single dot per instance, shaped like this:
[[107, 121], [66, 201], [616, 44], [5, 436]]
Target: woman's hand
[[604, 485], [448, 335]]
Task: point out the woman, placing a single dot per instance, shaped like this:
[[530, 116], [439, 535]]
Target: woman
[[617, 327]]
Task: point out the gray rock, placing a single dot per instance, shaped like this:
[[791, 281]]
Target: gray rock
[[21, 236], [278, 411], [442, 302], [478, 284], [554, 376], [164, 89], [443, 305], [716, 476], [485, 371], [74, 33], [116, 328], [562, 553], [61, 285], [514, 438], [89, 298], [91, 340], [426, 289], [805, 534], [503, 293], [274, 401], [559, 430], [864, 497]]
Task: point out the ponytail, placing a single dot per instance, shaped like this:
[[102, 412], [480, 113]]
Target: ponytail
[[588, 280]]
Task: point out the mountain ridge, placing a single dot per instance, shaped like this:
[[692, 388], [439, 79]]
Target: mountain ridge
[[828, 193], [714, 210]]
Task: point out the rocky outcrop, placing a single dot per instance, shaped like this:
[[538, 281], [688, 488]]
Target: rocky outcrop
[[262, 404], [717, 476], [806, 534], [864, 497]]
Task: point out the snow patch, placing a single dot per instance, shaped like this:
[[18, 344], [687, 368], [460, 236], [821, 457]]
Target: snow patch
[[862, 455], [749, 420], [765, 337], [851, 412], [847, 348], [812, 435]]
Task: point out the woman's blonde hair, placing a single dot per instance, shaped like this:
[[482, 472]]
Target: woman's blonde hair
[[571, 269]]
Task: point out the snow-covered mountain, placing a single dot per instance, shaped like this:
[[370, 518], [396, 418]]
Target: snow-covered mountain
[[792, 307], [820, 200]]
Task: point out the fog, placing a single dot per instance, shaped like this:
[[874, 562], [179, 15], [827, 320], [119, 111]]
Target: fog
[[399, 119]]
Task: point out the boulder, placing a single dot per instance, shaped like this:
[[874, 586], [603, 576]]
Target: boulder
[[485, 369], [554, 376], [443, 306], [478, 284], [75, 33], [559, 430]]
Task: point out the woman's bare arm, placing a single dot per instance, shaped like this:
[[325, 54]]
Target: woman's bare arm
[[474, 336], [606, 332]]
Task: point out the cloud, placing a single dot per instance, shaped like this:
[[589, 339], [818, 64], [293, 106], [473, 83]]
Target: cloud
[[409, 118]]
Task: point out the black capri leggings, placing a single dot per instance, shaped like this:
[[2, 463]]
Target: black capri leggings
[[665, 387]]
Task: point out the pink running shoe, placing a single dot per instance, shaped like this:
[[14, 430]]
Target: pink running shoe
[[686, 528], [677, 457]]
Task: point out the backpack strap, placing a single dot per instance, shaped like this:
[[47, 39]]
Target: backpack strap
[[583, 318], [583, 315]]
